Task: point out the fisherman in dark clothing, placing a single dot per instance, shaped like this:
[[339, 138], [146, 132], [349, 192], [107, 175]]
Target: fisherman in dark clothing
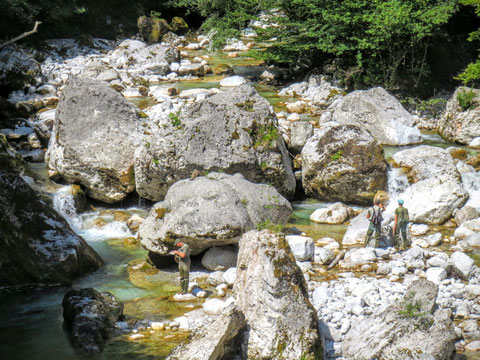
[[182, 257], [400, 226], [374, 215]]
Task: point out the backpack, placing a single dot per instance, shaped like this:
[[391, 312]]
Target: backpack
[[376, 217]]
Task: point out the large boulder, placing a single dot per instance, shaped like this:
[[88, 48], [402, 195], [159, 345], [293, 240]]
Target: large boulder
[[36, 244], [426, 162], [296, 134], [436, 189], [336, 213], [96, 69], [160, 27], [378, 112], [459, 125], [343, 163], [144, 24], [219, 258], [94, 139], [465, 214], [271, 292], [357, 230], [234, 131], [433, 201], [215, 342], [178, 25], [270, 316], [409, 329], [90, 317], [209, 211]]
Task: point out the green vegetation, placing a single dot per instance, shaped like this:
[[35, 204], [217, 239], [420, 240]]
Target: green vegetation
[[471, 74], [269, 225], [175, 120], [247, 105], [266, 135], [465, 99], [411, 308], [398, 44], [142, 115], [376, 42], [403, 45], [155, 15], [431, 108], [336, 156], [226, 18]]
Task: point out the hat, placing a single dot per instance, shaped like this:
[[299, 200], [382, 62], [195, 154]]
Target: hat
[[400, 202]]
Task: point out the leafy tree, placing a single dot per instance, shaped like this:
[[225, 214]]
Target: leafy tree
[[373, 41], [225, 17], [471, 74]]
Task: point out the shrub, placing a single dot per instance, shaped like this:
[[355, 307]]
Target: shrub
[[175, 120], [336, 156], [465, 99], [269, 225]]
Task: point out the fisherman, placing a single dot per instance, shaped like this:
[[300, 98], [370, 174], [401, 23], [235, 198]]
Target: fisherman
[[182, 257], [374, 215], [400, 226]]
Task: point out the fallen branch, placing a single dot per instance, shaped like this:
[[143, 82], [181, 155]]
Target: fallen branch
[[339, 257], [22, 35]]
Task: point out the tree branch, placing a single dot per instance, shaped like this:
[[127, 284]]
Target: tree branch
[[25, 34]]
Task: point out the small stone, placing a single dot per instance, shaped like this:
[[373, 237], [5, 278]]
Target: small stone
[[136, 337], [229, 276], [183, 297], [233, 81], [345, 326], [420, 229], [469, 325], [221, 289], [366, 268], [383, 269], [436, 275], [213, 306], [462, 310], [475, 143], [157, 326], [473, 346]]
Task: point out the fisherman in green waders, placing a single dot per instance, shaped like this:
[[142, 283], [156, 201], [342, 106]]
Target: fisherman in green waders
[[182, 257], [374, 215], [400, 226]]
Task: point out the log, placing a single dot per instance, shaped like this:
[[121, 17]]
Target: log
[[25, 34]]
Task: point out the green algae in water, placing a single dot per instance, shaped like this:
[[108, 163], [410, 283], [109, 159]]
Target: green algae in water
[[143, 102], [153, 346]]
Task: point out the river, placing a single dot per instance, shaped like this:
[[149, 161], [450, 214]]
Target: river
[[32, 320]]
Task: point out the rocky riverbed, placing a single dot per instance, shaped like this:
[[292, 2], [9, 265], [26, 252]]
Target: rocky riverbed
[[207, 159]]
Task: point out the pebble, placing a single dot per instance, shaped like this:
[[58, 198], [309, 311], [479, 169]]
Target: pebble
[[473, 346], [136, 337], [157, 326]]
